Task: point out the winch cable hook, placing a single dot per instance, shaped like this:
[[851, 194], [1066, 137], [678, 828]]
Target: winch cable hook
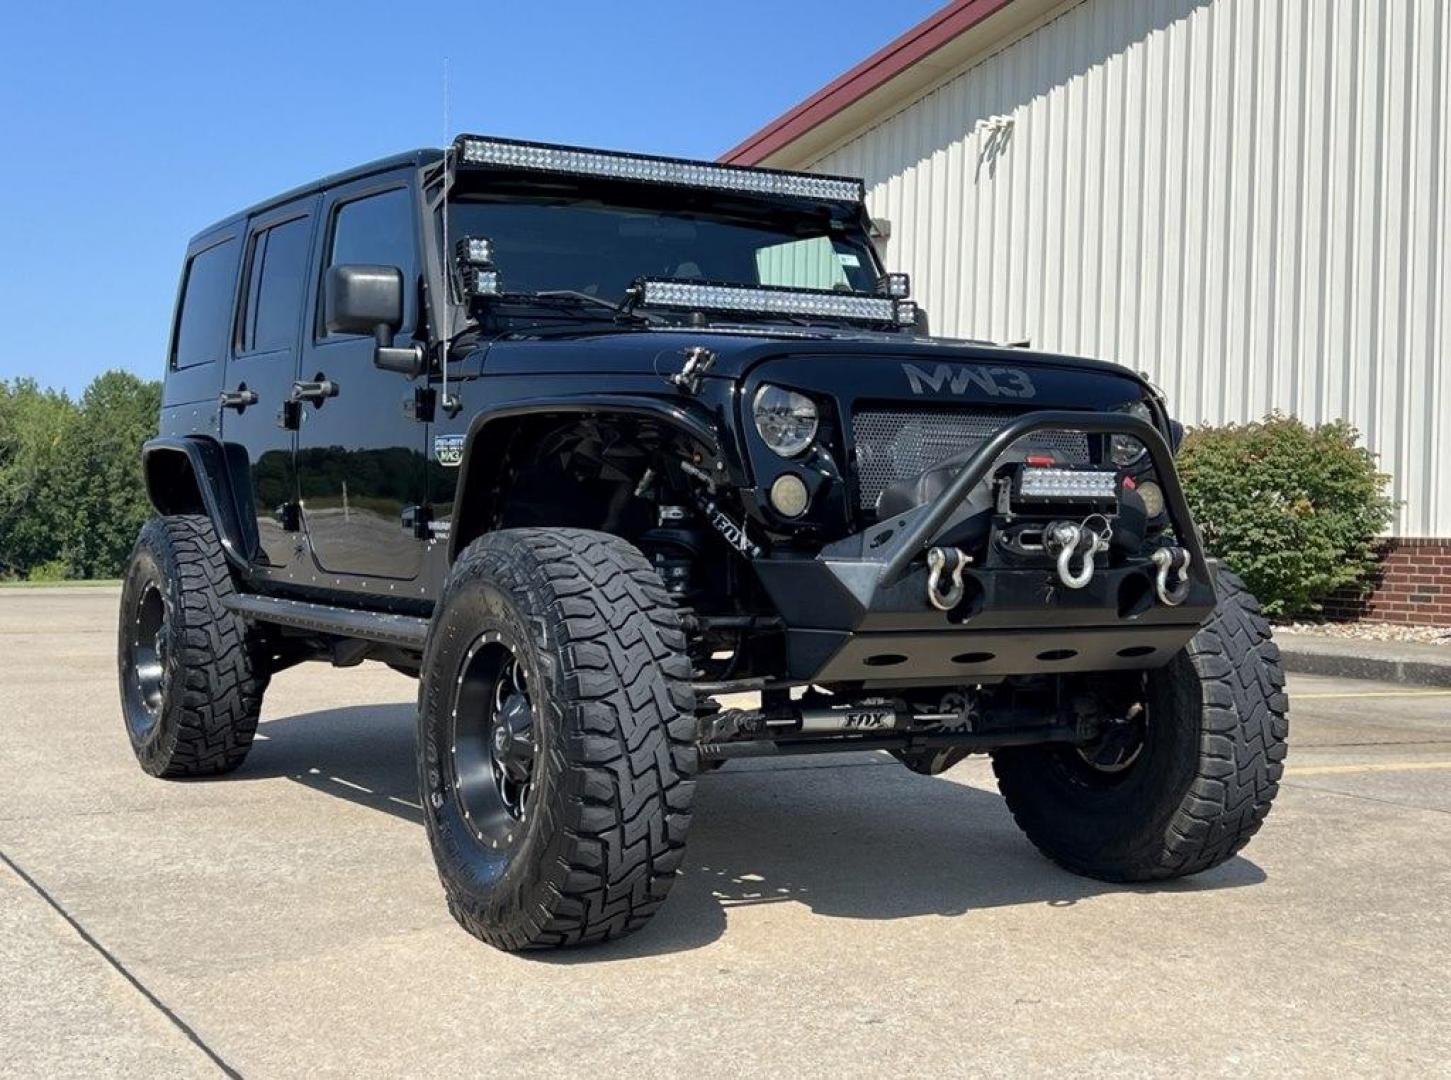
[[1171, 561], [937, 561]]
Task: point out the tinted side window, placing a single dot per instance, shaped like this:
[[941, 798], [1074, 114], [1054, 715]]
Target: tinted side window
[[378, 231], [206, 306], [276, 283]]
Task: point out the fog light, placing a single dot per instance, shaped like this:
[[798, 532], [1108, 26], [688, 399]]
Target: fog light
[[1153, 496], [788, 495]]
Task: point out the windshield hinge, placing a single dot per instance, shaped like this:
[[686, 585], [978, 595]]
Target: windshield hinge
[[698, 361], [420, 406]]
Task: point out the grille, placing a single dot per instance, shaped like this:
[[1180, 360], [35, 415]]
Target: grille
[[902, 444]]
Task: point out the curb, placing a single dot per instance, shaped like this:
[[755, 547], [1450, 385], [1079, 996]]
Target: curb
[[1309, 661]]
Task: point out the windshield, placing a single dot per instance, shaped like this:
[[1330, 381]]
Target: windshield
[[592, 247]]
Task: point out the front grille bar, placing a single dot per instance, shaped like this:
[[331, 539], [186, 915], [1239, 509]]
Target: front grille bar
[[923, 531]]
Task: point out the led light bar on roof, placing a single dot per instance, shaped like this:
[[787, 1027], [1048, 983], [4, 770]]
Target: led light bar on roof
[[540, 157], [765, 300]]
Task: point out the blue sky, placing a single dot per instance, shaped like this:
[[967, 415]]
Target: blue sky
[[127, 127]]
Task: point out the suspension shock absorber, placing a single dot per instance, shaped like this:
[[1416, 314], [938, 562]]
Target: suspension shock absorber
[[673, 546]]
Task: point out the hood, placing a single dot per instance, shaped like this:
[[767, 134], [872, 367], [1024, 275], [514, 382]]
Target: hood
[[927, 367]]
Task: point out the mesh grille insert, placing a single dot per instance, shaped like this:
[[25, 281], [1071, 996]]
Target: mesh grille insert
[[902, 444]]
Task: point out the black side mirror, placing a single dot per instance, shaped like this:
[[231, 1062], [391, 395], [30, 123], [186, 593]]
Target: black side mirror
[[369, 300], [364, 300]]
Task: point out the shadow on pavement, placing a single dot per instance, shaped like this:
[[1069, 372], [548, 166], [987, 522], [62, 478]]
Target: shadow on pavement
[[863, 838]]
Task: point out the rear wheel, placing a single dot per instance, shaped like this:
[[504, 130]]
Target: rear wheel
[[556, 738], [192, 672], [1185, 771]]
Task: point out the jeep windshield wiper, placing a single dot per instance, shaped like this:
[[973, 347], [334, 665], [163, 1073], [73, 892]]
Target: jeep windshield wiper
[[582, 297], [566, 304]]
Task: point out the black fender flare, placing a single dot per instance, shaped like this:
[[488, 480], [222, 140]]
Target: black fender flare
[[688, 419], [190, 474]]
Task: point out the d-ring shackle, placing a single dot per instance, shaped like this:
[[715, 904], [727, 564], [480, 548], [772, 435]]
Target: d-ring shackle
[[1165, 558], [1068, 538], [937, 560]]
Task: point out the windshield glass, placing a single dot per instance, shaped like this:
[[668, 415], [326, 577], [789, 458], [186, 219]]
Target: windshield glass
[[545, 244]]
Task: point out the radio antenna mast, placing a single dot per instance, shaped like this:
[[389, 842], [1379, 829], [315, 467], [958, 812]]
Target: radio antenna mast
[[446, 328]]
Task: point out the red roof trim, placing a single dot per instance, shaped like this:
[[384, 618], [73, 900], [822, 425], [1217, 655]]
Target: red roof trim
[[875, 71]]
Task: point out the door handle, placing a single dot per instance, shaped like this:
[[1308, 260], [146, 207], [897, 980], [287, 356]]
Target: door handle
[[237, 399], [314, 390]]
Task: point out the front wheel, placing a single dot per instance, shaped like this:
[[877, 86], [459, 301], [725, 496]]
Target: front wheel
[[1184, 776], [556, 738]]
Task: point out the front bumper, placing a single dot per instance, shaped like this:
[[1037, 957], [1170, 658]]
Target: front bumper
[[858, 611]]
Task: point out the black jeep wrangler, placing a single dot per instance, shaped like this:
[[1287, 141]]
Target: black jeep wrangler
[[590, 442]]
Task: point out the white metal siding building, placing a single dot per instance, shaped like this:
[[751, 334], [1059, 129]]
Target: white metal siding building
[[1247, 199]]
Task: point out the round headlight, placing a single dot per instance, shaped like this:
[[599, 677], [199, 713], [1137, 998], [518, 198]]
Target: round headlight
[[1125, 450], [786, 420]]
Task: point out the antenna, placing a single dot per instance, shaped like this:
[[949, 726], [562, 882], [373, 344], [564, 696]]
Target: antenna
[[446, 322]]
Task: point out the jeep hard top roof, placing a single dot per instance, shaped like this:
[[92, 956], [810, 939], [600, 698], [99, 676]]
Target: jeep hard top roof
[[416, 158]]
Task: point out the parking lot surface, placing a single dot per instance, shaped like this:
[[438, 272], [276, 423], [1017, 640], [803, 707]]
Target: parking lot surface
[[835, 916]]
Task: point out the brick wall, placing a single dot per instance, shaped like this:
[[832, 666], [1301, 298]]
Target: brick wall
[[1413, 585]]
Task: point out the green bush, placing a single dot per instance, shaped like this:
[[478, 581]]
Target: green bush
[[54, 570], [1294, 510]]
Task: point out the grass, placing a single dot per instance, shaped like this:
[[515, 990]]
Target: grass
[[88, 583]]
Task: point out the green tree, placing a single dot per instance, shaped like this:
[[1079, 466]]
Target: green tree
[[71, 495], [104, 503], [35, 427]]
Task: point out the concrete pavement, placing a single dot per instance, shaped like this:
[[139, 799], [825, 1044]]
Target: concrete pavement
[[834, 917]]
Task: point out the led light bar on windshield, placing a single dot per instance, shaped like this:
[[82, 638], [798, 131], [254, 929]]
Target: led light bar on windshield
[[610, 164], [765, 300]]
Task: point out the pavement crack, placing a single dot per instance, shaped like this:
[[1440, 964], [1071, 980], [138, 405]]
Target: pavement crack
[[85, 935], [1366, 798]]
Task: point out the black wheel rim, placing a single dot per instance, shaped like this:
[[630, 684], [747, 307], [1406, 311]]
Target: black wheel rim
[[494, 741], [150, 633], [1110, 758]]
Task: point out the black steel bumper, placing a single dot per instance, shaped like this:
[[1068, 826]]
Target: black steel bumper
[[858, 611]]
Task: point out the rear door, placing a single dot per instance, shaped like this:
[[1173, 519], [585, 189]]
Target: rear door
[[360, 458], [262, 368]]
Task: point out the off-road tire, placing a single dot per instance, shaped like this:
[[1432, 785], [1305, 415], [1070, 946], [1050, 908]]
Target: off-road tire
[[615, 735], [1204, 780], [213, 673]]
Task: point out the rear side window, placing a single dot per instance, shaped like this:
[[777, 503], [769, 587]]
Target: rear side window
[[206, 306], [275, 285], [377, 230]]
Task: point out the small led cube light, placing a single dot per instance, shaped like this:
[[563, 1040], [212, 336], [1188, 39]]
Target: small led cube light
[[474, 251], [482, 281], [897, 286], [906, 313]]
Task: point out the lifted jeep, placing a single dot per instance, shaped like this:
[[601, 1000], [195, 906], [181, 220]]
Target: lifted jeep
[[591, 441]]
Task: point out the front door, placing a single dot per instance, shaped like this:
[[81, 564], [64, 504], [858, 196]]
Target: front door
[[261, 367], [360, 458]]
